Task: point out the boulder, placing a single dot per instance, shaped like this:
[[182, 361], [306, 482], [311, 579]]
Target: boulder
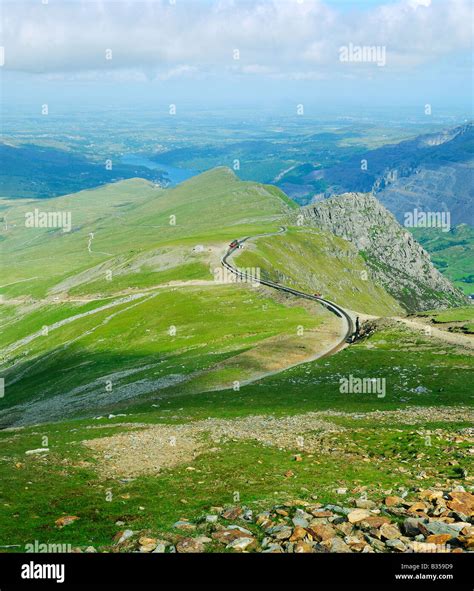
[[396, 544], [240, 544], [412, 526], [226, 536], [336, 545], [438, 538], [189, 546], [389, 531], [298, 534], [280, 532], [463, 502], [232, 513], [393, 501], [358, 515], [147, 544], [374, 521], [365, 504], [121, 536], [322, 531]]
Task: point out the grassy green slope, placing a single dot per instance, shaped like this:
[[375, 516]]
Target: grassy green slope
[[85, 334], [317, 261], [76, 342], [125, 358], [129, 219], [137, 345], [399, 455]]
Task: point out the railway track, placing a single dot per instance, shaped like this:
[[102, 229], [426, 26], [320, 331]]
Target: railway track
[[331, 306]]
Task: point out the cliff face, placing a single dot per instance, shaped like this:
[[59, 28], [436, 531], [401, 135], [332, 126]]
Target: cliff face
[[432, 172], [396, 260]]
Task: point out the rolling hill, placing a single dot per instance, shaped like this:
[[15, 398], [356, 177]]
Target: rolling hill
[[129, 295], [133, 375]]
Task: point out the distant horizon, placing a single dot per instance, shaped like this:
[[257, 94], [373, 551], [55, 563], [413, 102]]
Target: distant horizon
[[266, 54]]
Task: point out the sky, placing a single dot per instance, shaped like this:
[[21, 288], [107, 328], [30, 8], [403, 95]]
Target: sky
[[230, 52]]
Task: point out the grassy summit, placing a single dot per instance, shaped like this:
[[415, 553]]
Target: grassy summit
[[128, 219]]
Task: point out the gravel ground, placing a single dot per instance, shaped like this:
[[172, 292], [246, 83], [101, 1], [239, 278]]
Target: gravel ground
[[148, 449]]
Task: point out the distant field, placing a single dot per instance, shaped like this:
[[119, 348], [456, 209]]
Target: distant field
[[49, 169], [451, 252]]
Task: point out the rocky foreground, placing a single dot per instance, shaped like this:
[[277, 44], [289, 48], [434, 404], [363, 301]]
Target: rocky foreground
[[423, 521]]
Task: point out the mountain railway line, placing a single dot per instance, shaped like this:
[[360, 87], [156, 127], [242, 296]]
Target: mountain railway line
[[331, 306]]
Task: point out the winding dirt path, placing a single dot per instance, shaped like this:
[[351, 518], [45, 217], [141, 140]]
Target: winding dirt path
[[459, 339]]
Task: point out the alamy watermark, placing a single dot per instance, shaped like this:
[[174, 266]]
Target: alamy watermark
[[41, 548], [428, 219], [32, 570], [244, 275], [429, 547], [353, 385], [48, 219], [376, 54]]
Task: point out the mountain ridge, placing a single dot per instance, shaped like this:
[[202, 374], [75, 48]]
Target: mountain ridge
[[430, 172], [396, 259]]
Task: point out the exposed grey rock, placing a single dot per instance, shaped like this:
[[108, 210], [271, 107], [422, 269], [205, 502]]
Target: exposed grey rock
[[301, 521], [377, 545], [411, 526], [280, 532], [248, 515], [160, 549], [431, 172], [338, 509], [365, 504], [241, 529], [438, 527], [301, 518], [396, 260], [396, 544], [184, 525], [337, 545], [273, 548], [128, 533]]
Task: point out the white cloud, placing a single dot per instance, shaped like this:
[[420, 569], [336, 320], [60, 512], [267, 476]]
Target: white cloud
[[257, 69], [416, 3], [195, 38]]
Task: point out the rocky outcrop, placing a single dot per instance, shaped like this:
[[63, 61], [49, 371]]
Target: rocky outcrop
[[396, 260], [422, 520]]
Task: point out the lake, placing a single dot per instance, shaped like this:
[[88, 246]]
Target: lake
[[173, 174]]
